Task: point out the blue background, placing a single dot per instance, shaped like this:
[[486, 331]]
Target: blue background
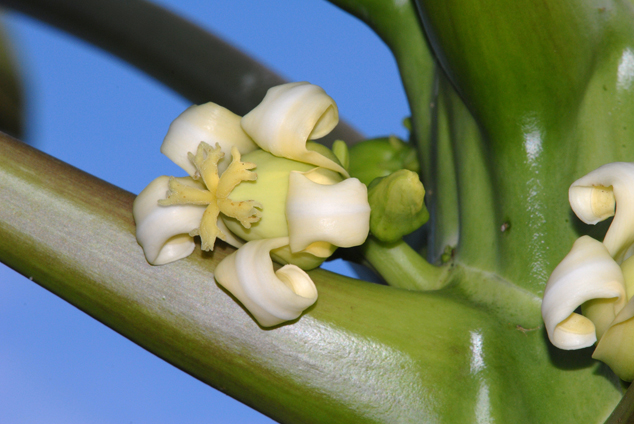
[[86, 107]]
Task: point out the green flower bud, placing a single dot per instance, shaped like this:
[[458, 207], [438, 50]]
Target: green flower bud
[[380, 157], [397, 203]]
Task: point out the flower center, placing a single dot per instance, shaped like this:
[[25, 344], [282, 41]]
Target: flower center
[[214, 192]]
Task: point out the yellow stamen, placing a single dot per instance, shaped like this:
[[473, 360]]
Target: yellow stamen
[[182, 194], [235, 174], [208, 230]]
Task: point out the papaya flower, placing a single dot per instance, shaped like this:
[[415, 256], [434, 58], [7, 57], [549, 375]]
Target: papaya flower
[[259, 184], [598, 276]]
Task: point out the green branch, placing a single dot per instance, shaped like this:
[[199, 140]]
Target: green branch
[[183, 56], [363, 353], [11, 93]]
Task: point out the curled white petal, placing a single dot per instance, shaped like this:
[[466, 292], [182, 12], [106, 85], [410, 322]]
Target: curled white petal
[[336, 213], [593, 199], [230, 238], [210, 123], [271, 297], [163, 231], [289, 116], [587, 272], [627, 267]]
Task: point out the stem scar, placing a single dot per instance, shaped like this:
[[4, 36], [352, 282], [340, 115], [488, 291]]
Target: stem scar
[[526, 330]]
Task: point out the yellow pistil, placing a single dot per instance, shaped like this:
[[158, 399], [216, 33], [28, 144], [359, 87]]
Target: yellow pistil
[[185, 191]]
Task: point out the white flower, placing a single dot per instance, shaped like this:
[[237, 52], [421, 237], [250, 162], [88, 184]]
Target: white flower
[[321, 212], [271, 297], [594, 198], [326, 212], [289, 116], [588, 272], [598, 276]]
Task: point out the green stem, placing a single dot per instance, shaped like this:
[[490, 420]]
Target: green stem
[[402, 267], [519, 146], [473, 198], [398, 26], [624, 411], [442, 188], [183, 56], [363, 353]]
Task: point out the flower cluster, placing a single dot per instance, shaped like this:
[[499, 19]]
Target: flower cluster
[[298, 205], [598, 276]]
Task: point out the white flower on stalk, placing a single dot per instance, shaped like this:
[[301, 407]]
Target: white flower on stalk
[[588, 272], [300, 207], [597, 276], [594, 197]]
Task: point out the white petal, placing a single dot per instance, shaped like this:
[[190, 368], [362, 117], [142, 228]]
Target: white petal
[[230, 238], [337, 213], [627, 267], [271, 297], [209, 123], [593, 197], [289, 116], [162, 231], [587, 272]]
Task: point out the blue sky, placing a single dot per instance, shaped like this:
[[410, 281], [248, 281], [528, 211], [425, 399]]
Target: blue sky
[[85, 107]]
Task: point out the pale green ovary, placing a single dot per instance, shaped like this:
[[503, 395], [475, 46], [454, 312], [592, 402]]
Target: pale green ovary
[[270, 190]]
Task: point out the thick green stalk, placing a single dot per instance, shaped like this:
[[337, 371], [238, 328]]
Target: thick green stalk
[[549, 92], [396, 23], [363, 353]]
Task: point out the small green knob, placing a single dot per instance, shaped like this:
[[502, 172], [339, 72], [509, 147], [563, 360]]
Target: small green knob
[[380, 157], [397, 203]]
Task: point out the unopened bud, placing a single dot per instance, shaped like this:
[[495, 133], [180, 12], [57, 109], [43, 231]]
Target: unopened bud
[[380, 157], [397, 203]]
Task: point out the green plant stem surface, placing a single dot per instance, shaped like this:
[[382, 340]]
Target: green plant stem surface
[[363, 353], [526, 98], [402, 267]]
